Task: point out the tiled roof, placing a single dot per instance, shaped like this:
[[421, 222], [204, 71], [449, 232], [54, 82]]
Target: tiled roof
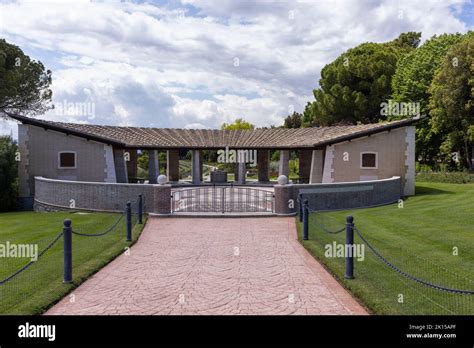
[[140, 137]]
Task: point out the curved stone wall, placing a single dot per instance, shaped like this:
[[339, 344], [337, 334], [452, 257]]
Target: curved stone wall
[[339, 196], [53, 194]]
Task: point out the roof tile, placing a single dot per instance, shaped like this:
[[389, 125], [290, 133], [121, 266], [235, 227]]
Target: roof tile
[[140, 137]]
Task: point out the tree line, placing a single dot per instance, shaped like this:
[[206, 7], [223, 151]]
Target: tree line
[[376, 82]]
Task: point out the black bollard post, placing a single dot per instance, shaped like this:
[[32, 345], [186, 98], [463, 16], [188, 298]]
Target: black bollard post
[[67, 234], [300, 206], [140, 209], [349, 247], [305, 220], [129, 222]]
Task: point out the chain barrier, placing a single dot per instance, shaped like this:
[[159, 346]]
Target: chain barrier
[[110, 229], [25, 267], [409, 276], [333, 232], [388, 263], [321, 224]]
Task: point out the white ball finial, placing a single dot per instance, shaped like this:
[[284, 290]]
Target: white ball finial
[[162, 179], [282, 180]]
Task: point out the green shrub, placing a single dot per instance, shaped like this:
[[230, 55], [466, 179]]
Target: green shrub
[[294, 168], [273, 169], [274, 156], [422, 168], [446, 177], [8, 174]]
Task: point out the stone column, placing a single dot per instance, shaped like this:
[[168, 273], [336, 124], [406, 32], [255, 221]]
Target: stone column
[[196, 167], [284, 168], [131, 163], [236, 172], [305, 157], [120, 166], [242, 170], [162, 199], [263, 157], [153, 166], [172, 165], [201, 166], [316, 175], [285, 202]]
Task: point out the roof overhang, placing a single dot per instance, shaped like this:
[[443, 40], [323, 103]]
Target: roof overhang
[[49, 126], [386, 128], [68, 129]]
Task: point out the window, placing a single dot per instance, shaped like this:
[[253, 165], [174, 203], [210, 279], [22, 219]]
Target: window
[[67, 160], [368, 160]]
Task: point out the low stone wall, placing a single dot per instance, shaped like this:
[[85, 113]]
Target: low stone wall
[[53, 194], [338, 196]]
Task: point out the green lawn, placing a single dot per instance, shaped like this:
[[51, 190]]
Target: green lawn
[[420, 239], [35, 289]]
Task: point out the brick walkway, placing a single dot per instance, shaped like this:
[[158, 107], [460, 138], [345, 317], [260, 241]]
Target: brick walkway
[[213, 266]]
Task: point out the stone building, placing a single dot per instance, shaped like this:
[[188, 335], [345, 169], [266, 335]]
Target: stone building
[[96, 153]]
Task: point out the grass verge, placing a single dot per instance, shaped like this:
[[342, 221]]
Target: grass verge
[[38, 287], [430, 237]]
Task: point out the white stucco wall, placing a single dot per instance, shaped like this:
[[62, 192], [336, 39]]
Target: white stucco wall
[[409, 188], [39, 149], [395, 151]]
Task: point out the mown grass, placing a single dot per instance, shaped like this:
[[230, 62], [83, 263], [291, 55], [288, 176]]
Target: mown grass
[[431, 237], [41, 285]]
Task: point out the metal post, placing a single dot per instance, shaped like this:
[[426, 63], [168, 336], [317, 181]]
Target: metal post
[[67, 233], [305, 219], [223, 199], [300, 204], [129, 222], [140, 209], [349, 247]]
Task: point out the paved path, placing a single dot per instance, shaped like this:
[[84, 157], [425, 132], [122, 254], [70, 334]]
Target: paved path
[[213, 266]]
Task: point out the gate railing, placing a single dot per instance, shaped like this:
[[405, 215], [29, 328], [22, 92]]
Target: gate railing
[[222, 199]]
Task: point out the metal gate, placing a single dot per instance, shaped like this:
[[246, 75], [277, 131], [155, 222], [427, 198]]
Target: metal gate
[[222, 199]]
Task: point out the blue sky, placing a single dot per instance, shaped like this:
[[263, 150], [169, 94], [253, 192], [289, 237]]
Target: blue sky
[[197, 64], [466, 14]]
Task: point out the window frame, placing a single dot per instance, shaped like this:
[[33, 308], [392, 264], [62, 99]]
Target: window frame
[[59, 160], [369, 153]]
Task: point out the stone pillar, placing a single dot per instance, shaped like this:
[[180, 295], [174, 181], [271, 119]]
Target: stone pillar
[[172, 165], [153, 166], [132, 163], [242, 170], [201, 166], [120, 166], [263, 157], [305, 156], [196, 167], [284, 168], [236, 172], [316, 175], [285, 202], [162, 199]]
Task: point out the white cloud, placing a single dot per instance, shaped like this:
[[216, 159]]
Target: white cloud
[[143, 64], [8, 127]]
